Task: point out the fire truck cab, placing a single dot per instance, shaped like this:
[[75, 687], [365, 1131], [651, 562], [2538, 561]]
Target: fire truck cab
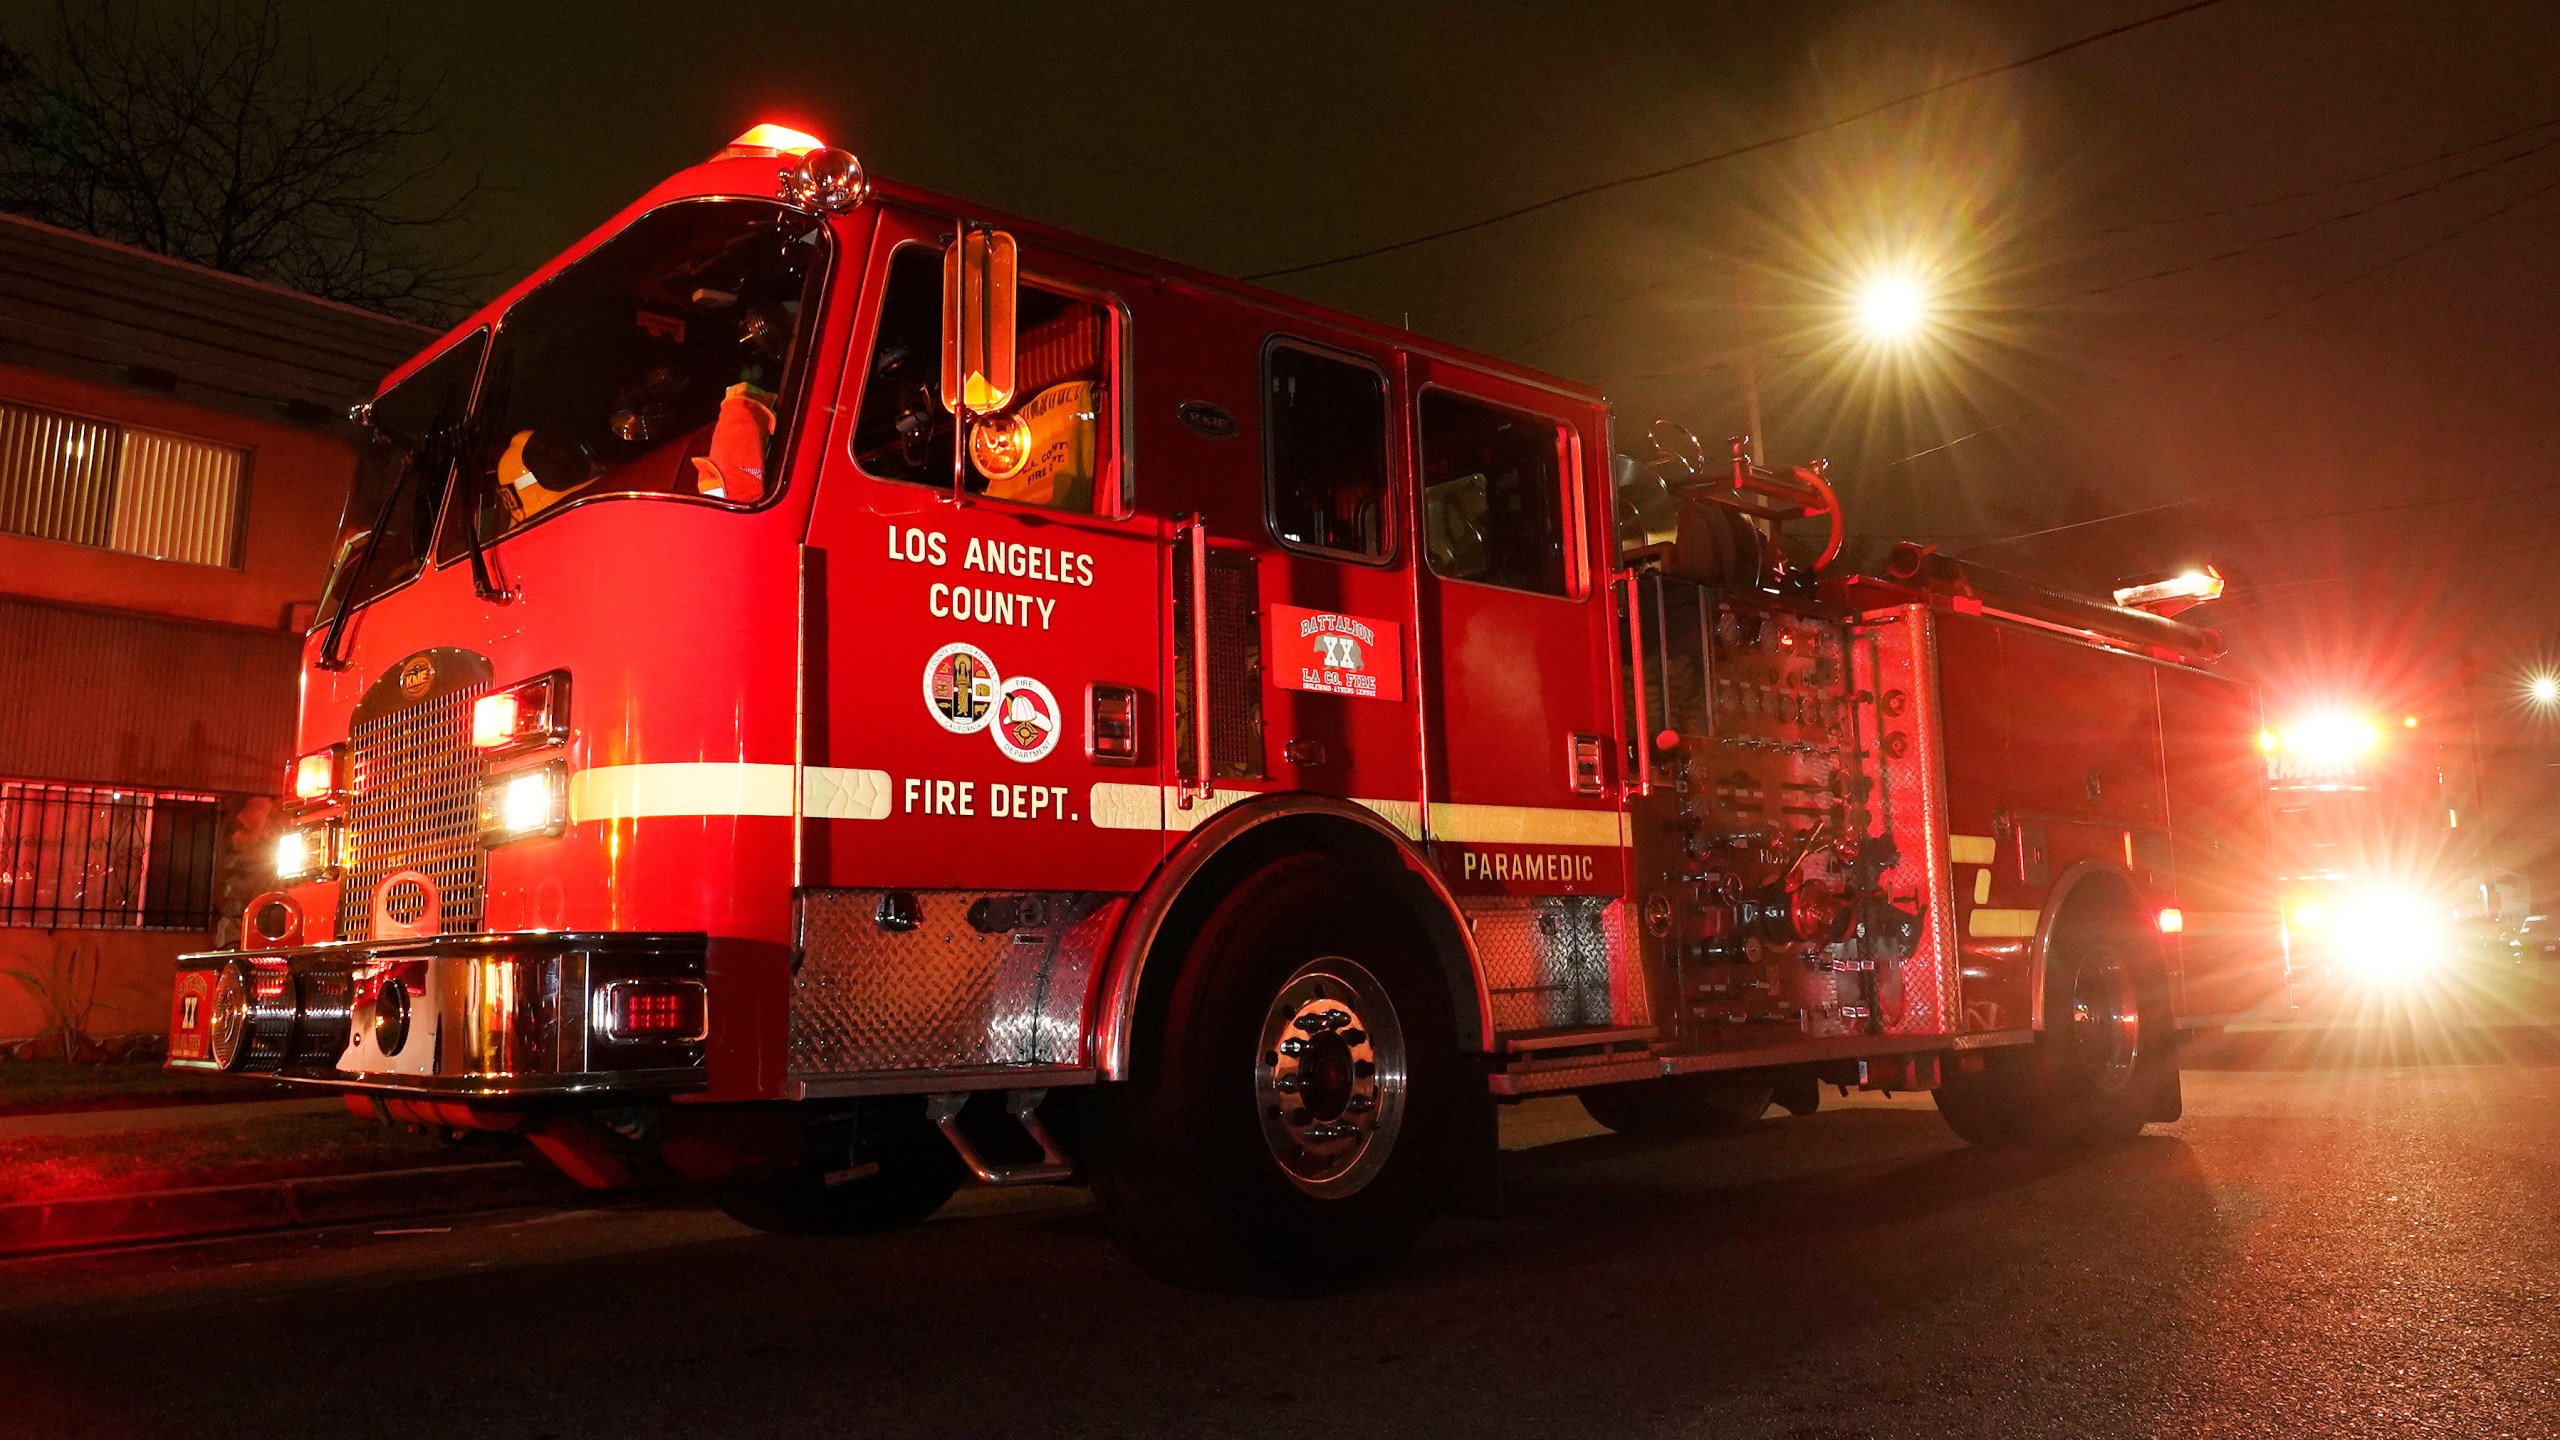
[[826, 692]]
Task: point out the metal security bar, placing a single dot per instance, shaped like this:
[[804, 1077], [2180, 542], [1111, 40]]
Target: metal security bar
[[91, 857]]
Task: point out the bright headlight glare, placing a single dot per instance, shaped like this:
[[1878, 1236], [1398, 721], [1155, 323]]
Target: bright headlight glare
[[524, 805], [308, 853], [2391, 935]]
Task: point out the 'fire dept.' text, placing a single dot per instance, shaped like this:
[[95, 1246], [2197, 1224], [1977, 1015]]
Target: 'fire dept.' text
[[918, 796]]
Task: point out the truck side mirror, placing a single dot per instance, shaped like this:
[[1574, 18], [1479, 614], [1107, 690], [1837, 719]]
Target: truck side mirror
[[978, 321]]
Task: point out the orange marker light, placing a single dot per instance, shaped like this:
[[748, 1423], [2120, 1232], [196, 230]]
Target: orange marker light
[[2172, 921], [493, 720], [315, 775]]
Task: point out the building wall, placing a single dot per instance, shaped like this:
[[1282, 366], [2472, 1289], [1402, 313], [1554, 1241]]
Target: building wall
[[297, 479], [297, 482], [133, 977]]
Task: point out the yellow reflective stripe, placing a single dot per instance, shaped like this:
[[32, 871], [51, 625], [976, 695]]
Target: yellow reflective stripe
[[1986, 923], [1121, 806], [1972, 849], [1526, 825], [1982, 887], [633, 792]]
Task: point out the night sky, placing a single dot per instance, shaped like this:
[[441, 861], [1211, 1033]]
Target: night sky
[[2332, 415]]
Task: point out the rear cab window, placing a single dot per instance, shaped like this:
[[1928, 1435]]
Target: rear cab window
[[1494, 495]]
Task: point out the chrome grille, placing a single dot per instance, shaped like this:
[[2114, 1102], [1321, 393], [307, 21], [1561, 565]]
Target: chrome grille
[[414, 805]]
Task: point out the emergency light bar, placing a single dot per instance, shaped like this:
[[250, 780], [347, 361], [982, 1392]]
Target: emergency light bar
[[771, 140], [2168, 592]]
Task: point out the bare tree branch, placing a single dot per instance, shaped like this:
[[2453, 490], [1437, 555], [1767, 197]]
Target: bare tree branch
[[207, 132]]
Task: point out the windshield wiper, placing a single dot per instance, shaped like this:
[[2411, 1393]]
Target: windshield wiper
[[330, 659]]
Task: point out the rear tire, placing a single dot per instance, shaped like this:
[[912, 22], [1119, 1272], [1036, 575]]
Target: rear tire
[[911, 1172], [1679, 1107], [2106, 1059], [1288, 1130]]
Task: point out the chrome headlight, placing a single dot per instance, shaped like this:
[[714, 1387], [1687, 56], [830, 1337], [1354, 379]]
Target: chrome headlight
[[524, 805]]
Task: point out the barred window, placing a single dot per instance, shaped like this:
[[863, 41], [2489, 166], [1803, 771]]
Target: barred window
[[90, 857], [143, 492]]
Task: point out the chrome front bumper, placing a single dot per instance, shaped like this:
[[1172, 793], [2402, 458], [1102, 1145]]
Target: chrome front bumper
[[459, 1016]]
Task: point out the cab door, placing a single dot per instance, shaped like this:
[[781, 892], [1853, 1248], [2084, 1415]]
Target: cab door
[[984, 657], [1521, 732]]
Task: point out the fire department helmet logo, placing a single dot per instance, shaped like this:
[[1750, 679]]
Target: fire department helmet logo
[[1026, 719], [960, 688], [417, 676]]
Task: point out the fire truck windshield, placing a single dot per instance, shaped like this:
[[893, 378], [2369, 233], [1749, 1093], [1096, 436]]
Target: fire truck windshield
[[663, 362], [412, 435]]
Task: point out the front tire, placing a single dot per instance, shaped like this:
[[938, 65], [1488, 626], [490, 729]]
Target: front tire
[[1287, 1133], [2106, 1059]]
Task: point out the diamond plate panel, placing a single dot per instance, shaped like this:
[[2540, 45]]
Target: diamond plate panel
[[982, 979], [1552, 962], [413, 804], [1921, 994]]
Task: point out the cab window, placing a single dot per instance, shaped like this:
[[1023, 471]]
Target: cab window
[[1324, 421], [660, 363], [1052, 446], [1493, 495]]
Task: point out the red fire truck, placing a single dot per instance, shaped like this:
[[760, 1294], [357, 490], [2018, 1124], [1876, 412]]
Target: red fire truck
[[826, 692]]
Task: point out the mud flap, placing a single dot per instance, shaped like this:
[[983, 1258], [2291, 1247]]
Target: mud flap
[[2168, 1100], [1474, 1183]]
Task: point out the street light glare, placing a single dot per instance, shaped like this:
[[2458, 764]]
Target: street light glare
[[2543, 689], [1892, 307]]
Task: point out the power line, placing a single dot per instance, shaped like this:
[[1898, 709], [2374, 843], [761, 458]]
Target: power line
[[1769, 143], [2332, 188], [2300, 230]]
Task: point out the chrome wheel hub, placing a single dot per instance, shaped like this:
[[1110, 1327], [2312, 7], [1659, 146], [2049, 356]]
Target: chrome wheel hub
[[1329, 1081], [2106, 1022]]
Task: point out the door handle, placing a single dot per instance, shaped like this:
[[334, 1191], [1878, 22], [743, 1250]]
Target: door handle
[[1196, 531]]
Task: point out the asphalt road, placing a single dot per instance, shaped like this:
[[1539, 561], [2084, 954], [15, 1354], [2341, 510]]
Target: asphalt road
[[2332, 1249]]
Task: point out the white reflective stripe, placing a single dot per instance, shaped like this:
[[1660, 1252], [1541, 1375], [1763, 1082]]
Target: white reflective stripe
[[632, 792], [1119, 806], [1986, 923], [1115, 806], [827, 793]]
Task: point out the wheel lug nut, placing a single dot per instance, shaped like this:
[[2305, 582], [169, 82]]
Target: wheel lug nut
[[1293, 1046], [1289, 1084]]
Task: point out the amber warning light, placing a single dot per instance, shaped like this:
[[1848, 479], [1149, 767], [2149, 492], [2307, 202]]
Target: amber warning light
[[315, 777], [523, 716], [2171, 591]]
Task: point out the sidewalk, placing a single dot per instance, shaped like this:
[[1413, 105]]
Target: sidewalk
[[189, 1168]]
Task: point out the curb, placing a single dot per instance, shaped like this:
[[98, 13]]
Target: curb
[[51, 1225]]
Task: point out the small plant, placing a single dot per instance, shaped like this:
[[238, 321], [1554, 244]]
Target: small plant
[[68, 992]]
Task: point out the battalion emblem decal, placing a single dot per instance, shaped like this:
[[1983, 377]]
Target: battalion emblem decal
[[960, 688], [1026, 726], [1329, 653]]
